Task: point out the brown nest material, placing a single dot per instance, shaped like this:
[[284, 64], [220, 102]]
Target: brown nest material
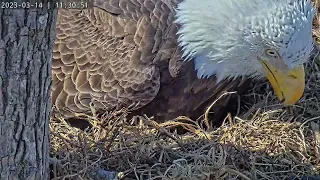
[[260, 148]]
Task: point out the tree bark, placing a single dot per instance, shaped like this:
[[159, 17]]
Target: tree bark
[[26, 43]]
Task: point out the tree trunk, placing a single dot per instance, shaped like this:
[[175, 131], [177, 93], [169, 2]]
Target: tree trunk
[[26, 43]]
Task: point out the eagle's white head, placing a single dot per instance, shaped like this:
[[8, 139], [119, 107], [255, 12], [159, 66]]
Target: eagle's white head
[[254, 38]]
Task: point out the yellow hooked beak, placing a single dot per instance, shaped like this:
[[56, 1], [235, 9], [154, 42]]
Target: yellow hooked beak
[[288, 86]]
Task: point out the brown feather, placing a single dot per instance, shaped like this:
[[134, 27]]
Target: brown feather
[[125, 53]]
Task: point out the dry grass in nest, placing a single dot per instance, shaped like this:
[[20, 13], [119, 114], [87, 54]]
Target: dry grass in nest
[[260, 148], [265, 141]]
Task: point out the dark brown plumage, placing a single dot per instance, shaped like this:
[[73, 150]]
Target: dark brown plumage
[[124, 53]]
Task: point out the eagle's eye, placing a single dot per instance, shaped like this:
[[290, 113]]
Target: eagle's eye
[[271, 53]]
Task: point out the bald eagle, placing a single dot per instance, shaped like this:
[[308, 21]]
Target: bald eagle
[[167, 58]]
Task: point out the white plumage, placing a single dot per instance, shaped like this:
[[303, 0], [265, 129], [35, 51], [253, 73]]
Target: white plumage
[[226, 37]]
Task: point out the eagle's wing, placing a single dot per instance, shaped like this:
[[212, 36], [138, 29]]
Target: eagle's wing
[[124, 53], [111, 55]]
